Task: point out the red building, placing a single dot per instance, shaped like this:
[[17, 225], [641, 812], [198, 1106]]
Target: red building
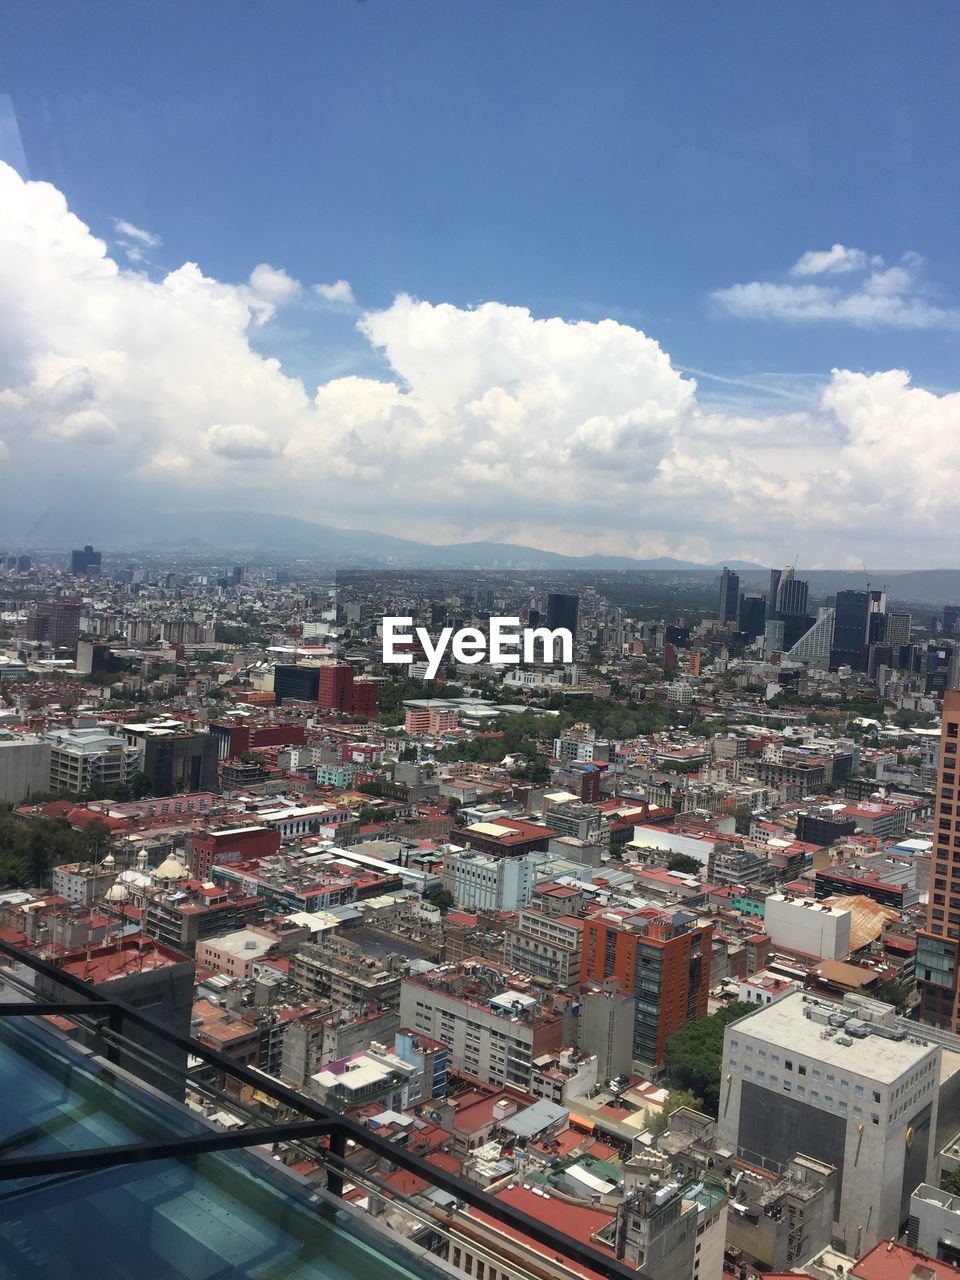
[[338, 691], [238, 844], [662, 959]]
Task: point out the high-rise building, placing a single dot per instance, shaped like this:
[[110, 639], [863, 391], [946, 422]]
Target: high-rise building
[[563, 611], [752, 614], [336, 686], [85, 563], [56, 623], [791, 595], [293, 680], [845, 1084], [729, 596], [938, 944], [851, 629], [661, 958], [898, 630], [775, 576], [951, 619]]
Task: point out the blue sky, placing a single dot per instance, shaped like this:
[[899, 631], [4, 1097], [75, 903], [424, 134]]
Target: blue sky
[[583, 160]]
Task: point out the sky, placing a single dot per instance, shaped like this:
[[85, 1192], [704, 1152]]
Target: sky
[[640, 278]]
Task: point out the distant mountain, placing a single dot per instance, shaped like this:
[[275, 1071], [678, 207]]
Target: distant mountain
[[252, 532], [243, 534]]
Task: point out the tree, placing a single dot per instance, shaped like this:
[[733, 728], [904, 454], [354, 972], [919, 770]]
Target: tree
[[684, 863], [951, 1182], [695, 1054], [442, 899], [676, 1098]]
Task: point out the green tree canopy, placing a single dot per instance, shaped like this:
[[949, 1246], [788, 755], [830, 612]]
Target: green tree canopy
[[695, 1054]]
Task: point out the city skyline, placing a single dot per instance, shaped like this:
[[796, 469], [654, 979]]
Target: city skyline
[[752, 351]]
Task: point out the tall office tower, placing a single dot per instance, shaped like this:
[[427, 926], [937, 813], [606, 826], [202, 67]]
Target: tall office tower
[[877, 621], [791, 595], [729, 596], [951, 617], [85, 563], [563, 611], [57, 623], [23, 564], [237, 576], [938, 944], [898, 630], [775, 575], [752, 614], [661, 958], [851, 628]]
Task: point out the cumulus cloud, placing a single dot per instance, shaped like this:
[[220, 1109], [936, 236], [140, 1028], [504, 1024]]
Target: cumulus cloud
[[273, 283], [338, 292], [241, 441], [891, 297], [486, 422]]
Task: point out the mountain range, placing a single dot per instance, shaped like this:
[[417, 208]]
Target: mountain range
[[247, 534]]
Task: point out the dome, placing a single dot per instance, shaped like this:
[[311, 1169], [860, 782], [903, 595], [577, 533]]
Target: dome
[[171, 869], [117, 892], [109, 861]]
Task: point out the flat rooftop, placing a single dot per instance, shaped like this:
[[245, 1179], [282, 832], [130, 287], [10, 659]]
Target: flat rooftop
[[783, 1024]]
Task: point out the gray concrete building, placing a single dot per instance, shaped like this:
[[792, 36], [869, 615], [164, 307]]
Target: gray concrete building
[[846, 1085], [24, 767]]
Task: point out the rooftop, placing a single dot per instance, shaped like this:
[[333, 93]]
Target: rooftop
[[783, 1024]]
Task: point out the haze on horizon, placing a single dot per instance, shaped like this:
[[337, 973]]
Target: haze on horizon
[[598, 284]]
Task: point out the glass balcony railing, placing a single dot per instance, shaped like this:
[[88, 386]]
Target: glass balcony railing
[[188, 1177]]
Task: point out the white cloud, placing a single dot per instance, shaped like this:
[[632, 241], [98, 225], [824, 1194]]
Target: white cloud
[[127, 231], [889, 297], [273, 283], [487, 422], [834, 261], [339, 292], [241, 442]]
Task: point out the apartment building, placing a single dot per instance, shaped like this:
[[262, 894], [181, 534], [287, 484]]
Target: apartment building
[[495, 1024], [545, 946]]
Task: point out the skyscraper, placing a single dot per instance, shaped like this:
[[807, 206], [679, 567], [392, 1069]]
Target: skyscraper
[[85, 563], [938, 945], [851, 629], [729, 596], [791, 595], [775, 575], [752, 614], [898, 629], [563, 611]]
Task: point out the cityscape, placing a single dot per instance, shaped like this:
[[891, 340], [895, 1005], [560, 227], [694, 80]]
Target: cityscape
[[653, 949], [479, 640]]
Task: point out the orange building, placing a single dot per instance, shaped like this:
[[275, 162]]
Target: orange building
[[662, 958]]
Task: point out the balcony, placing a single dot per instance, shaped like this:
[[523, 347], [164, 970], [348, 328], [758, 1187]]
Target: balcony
[[102, 1175]]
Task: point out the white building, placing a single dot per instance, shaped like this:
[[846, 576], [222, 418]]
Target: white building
[[934, 1226], [480, 882], [24, 767], [88, 757], [807, 926], [846, 1085]]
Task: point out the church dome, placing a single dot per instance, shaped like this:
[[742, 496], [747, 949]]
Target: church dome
[[171, 869]]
